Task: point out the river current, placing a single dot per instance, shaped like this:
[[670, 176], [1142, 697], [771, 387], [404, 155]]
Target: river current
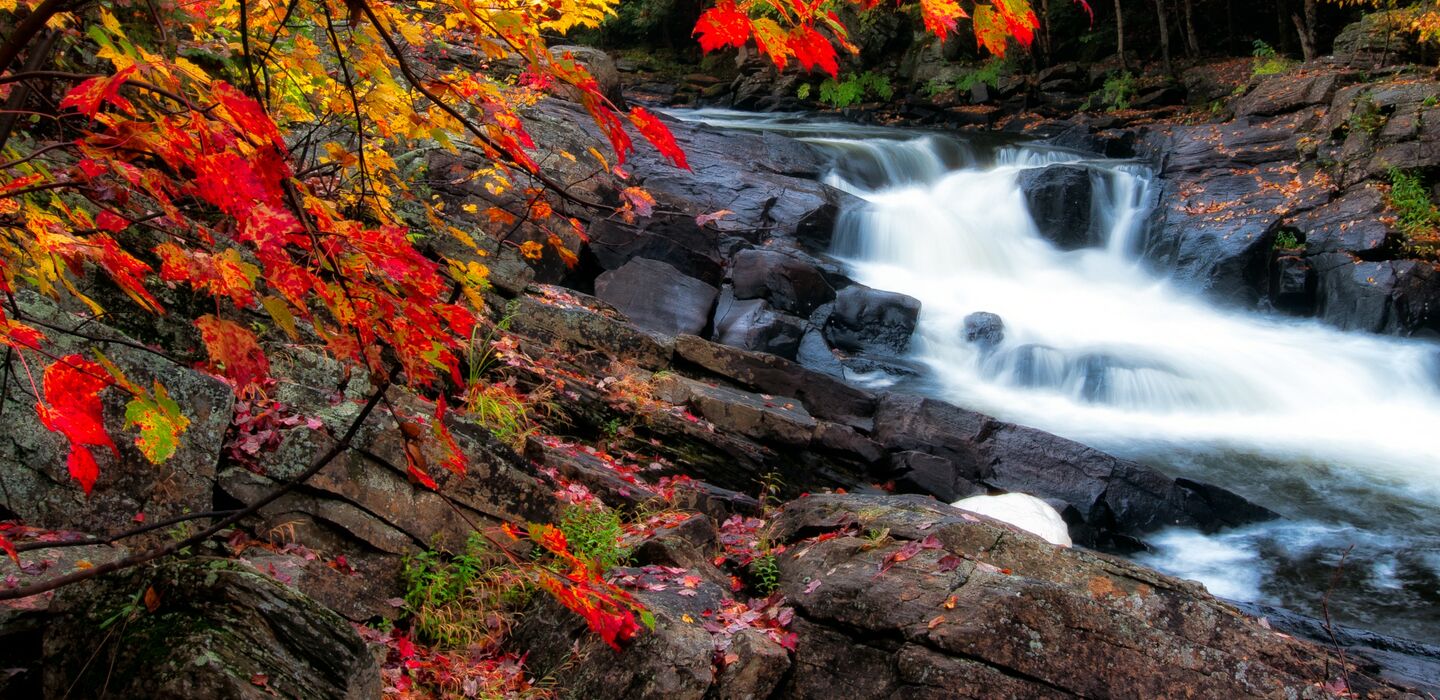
[[1336, 431]]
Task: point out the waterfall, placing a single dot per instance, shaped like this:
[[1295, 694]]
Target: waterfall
[[1332, 429]]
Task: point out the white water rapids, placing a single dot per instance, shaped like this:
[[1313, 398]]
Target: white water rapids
[[1336, 431]]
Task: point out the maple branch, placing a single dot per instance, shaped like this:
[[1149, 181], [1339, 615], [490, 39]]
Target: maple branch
[[415, 82], [38, 55], [67, 75], [25, 32], [31, 546], [354, 104], [34, 154], [136, 559], [98, 339]]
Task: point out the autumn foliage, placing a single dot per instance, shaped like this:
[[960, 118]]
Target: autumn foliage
[[244, 158]]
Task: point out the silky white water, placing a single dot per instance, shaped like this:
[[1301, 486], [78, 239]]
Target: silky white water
[[1337, 431]]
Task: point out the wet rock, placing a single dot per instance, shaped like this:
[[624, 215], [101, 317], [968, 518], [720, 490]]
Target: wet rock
[[1059, 198], [984, 329], [843, 439], [778, 419], [1109, 494], [753, 325], [1386, 124], [1290, 92], [1377, 39], [364, 498], [872, 321], [601, 67], [1353, 223], [589, 327], [1219, 219], [1162, 96], [913, 470], [217, 628], [360, 594], [657, 297], [676, 242], [823, 396], [787, 279], [672, 661], [990, 611], [1292, 284], [1400, 297], [689, 545], [815, 353]]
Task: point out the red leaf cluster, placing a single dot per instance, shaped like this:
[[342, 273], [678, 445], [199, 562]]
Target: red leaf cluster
[[72, 407]]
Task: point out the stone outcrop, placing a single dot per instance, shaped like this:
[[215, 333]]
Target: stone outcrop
[[1307, 157], [35, 484], [217, 629], [941, 604]]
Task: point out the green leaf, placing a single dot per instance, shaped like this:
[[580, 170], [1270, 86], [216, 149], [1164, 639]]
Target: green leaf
[[161, 424]]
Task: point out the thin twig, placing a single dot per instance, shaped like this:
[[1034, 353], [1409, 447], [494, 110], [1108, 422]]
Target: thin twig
[[32, 546]]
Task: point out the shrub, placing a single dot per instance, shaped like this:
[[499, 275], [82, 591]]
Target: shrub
[[462, 599], [1117, 91], [853, 90], [595, 533], [1267, 62], [1419, 218]]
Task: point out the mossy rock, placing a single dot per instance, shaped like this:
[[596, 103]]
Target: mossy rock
[[213, 628]]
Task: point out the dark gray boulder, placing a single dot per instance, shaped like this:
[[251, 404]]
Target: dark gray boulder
[[1110, 495], [872, 321], [1059, 200], [656, 296], [678, 242], [753, 325], [787, 279], [218, 629]]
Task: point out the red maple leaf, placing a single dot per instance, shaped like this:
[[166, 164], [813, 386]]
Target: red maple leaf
[[72, 390], [89, 95], [722, 25], [658, 135], [812, 50]]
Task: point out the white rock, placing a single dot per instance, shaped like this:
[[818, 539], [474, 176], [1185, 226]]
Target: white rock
[[1023, 511]]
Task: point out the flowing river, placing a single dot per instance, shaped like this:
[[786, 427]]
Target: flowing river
[[1339, 432]]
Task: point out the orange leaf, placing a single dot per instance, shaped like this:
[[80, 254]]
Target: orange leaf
[[234, 352]]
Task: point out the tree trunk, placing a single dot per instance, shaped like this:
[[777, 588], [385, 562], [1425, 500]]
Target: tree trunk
[[1164, 20], [1120, 35], [1192, 40], [1305, 27], [1045, 33], [1307, 37]]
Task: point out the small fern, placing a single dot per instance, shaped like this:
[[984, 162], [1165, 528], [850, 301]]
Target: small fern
[[765, 571]]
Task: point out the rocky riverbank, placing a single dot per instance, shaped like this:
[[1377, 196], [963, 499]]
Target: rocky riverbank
[[686, 361]]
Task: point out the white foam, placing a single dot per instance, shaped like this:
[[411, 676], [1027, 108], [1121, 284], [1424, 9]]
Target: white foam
[[1023, 511]]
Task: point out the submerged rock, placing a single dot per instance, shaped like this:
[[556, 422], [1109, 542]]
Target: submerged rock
[[984, 329]]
